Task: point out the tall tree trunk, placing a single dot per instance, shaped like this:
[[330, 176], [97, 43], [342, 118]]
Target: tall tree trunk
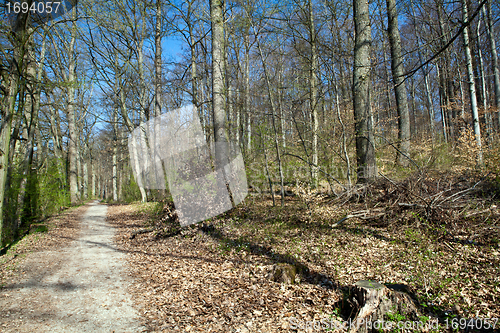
[[143, 112], [442, 67], [247, 94], [158, 59], [344, 137], [92, 166], [442, 105], [313, 89], [12, 79], [484, 90], [399, 85], [472, 85], [6, 130], [32, 108], [494, 57], [78, 159], [280, 103], [365, 152], [425, 71], [85, 180], [388, 106], [273, 121], [430, 104], [70, 110], [194, 69], [130, 126], [218, 78], [115, 151]]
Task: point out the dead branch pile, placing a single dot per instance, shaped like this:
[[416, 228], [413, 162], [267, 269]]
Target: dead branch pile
[[438, 199]]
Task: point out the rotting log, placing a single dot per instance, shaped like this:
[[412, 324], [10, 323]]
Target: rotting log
[[372, 301]]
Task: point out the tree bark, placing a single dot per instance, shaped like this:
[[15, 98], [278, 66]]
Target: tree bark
[[472, 85], [247, 94], [128, 123], [157, 110], [32, 107], [373, 300], [115, 151], [70, 110], [5, 136], [399, 85], [494, 57], [484, 90], [313, 87], [218, 78], [365, 152]]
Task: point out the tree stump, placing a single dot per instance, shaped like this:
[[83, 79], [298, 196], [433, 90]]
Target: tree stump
[[373, 300], [283, 273]]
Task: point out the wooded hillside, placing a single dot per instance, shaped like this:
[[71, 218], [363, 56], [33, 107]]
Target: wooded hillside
[[318, 94]]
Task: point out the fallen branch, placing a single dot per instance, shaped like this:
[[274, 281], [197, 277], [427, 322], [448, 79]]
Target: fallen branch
[[140, 231], [478, 212], [459, 194], [362, 214]]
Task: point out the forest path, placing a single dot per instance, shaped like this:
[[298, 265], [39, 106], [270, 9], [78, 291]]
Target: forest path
[[78, 288]]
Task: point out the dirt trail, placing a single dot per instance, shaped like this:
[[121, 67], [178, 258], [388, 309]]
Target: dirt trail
[[79, 288]]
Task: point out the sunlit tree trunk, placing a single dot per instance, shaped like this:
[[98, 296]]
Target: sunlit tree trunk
[[273, 122], [399, 85], [158, 64], [247, 94], [114, 157], [365, 153], [70, 110], [92, 166], [472, 85], [218, 78], [130, 126], [32, 107], [494, 57], [313, 87], [484, 90], [430, 103]]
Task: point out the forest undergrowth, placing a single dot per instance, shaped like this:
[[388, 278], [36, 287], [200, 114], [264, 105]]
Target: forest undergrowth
[[437, 233]]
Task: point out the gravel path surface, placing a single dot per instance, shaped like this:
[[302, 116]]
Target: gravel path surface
[[79, 288]]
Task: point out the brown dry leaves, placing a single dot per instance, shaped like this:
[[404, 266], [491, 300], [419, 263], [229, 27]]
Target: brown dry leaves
[[62, 229], [216, 281], [184, 284]]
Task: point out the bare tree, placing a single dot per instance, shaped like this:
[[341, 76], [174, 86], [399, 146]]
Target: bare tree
[[313, 86], [399, 85], [494, 57], [472, 84], [365, 152], [70, 111], [218, 79]]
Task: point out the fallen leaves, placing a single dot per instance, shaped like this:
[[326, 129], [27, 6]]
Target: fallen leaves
[[189, 285]]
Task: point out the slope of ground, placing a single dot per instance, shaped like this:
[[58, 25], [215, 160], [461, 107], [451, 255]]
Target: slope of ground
[[215, 278]]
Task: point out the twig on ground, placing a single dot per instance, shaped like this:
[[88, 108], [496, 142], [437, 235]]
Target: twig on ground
[[140, 231]]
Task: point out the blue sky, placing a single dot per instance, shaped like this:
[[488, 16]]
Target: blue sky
[[171, 48]]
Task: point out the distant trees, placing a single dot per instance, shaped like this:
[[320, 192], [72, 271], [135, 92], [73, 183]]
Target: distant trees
[[304, 86]]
